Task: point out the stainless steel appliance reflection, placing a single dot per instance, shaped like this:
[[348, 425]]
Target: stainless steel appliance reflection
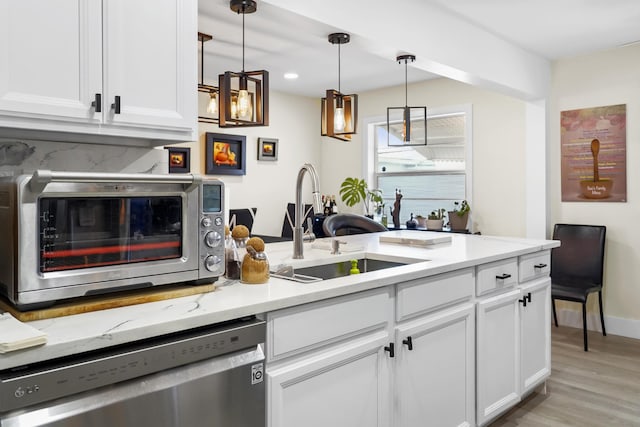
[[211, 376]]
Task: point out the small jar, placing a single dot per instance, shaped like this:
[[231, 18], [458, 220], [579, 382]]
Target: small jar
[[240, 235], [232, 259], [255, 265]]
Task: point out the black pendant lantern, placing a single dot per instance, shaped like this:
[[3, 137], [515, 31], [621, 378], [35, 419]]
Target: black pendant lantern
[[244, 95], [406, 125], [339, 112], [211, 91]]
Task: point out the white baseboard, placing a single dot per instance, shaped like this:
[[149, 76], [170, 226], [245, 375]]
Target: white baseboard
[[615, 325]]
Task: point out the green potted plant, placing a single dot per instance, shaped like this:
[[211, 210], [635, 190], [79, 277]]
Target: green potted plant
[[355, 190], [435, 220], [459, 216]]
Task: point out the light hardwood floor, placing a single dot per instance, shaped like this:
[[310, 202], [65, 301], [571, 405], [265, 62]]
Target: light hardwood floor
[[597, 388]]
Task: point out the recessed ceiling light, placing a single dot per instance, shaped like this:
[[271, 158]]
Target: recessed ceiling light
[[290, 76]]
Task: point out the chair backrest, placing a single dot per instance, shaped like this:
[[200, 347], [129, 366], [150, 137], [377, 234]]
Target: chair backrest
[[289, 219], [242, 216], [580, 257], [345, 223]]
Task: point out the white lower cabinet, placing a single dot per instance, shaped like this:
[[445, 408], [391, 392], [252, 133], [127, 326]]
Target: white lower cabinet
[[435, 369], [535, 333], [498, 354], [345, 386]]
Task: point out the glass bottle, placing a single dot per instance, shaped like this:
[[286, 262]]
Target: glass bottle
[[232, 259]]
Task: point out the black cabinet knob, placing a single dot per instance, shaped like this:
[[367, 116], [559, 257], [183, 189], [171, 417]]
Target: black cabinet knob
[[390, 349], [408, 342]]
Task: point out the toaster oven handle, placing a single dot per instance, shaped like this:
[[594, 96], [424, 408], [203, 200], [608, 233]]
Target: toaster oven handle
[[42, 177]]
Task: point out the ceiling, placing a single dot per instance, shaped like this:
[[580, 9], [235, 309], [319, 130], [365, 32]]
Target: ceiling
[[280, 41]]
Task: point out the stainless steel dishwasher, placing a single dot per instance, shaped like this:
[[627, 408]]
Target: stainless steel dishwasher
[[209, 376]]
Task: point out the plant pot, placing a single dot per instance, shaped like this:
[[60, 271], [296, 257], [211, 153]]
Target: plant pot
[[422, 221], [457, 222], [435, 224]]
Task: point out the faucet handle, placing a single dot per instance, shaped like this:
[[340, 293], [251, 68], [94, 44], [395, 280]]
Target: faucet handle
[[308, 235]]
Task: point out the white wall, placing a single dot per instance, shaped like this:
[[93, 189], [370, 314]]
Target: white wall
[[499, 139], [606, 78], [269, 186]]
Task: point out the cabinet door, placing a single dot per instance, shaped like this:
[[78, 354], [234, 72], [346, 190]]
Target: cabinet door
[[344, 386], [435, 369], [498, 353], [50, 61], [150, 63], [535, 333]]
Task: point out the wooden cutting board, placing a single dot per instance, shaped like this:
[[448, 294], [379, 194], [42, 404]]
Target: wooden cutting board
[[103, 302]]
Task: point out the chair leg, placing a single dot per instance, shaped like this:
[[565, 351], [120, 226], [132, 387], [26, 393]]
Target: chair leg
[[584, 325], [604, 331], [555, 317]]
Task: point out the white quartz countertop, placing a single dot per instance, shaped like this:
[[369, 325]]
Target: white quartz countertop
[[90, 331]]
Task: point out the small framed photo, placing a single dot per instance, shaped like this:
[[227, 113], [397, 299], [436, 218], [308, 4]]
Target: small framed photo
[[179, 159], [267, 149], [226, 154]]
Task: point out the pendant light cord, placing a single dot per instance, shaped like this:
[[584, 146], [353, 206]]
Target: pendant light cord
[[406, 96], [339, 68], [243, 10]]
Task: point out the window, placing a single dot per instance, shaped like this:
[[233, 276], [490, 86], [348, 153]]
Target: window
[[429, 177]]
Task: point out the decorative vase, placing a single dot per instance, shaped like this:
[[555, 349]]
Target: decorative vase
[[435, 224], [457, 222]]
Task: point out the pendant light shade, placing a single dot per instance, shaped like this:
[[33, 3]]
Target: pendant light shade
[[339, 112], [406, 125], [212, 91], [244, 95]]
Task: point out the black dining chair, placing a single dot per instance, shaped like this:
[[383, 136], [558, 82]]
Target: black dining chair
[[345, 223], [244, 216], [577, 268]]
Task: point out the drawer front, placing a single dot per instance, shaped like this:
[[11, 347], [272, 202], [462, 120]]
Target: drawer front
[[496, 275], [535, 265], [306, 327], [421, 296]]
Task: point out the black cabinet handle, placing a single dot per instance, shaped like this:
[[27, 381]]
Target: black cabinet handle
[[409, 343], [504, 276], [97, 103], [525, 299], [116, 105], [540, 266], [391, 349]]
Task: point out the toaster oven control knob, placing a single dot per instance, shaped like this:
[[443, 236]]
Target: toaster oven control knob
[[212, 239], [211, 262], [206, 222]]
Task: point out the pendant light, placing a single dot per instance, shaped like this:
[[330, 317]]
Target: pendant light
[[413, 120], [244, 96], [212, 103], [339, 112]]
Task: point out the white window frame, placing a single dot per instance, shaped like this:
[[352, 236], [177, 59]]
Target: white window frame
[[370, 151]]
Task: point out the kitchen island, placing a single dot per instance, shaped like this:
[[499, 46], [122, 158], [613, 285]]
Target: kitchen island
[[363, 333]]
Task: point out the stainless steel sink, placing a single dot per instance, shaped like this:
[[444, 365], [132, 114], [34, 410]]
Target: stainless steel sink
[[337, 269]]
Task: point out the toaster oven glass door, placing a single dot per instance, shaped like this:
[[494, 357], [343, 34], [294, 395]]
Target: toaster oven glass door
[[78, 233]]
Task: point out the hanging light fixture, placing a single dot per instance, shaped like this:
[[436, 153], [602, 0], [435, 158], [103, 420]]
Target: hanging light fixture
[[244, 96], [339, 112], [212, 103], [406, 125]]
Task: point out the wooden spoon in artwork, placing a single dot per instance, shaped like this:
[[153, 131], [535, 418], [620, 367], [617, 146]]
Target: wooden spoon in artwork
[[595, 148]]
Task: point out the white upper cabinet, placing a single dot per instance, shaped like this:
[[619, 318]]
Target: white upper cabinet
[[66, 64]]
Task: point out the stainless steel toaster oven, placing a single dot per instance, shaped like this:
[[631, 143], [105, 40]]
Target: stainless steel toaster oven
[[71, 234]]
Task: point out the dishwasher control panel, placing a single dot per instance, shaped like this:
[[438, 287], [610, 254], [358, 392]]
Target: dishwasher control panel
[[22, 387]]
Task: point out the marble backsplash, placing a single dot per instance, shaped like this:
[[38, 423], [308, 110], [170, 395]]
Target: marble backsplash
[[25, 156]]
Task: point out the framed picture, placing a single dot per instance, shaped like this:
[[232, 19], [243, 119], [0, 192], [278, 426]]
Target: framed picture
[[225, 154], [179, 159], [267, 149]]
